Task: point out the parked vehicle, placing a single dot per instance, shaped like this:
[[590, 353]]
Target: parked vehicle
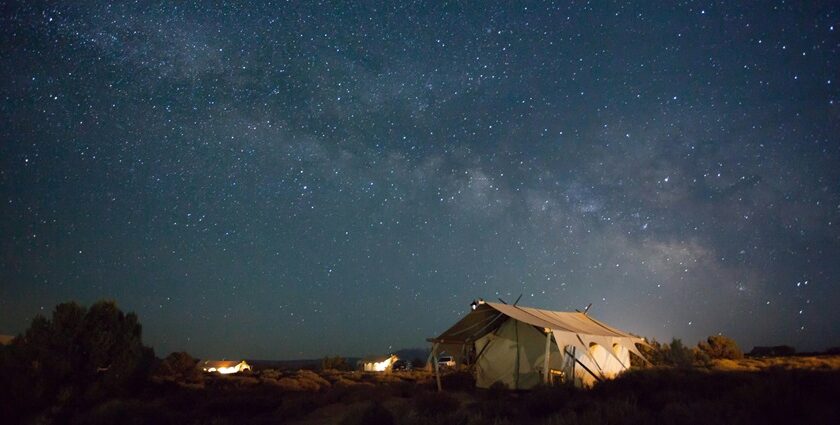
[[402, 365], [446, 361]]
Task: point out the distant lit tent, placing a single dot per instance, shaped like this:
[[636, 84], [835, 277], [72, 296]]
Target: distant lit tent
[[224, 367], [6, 339], [520, 347], [378, 363]]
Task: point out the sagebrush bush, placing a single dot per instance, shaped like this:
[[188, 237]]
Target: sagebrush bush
[[653, 352], [179, 366], [374, 414], [544, 401], [429, 403], [313, 377], [120, 411], [721, 347], [458, 381], [335, 363], [297, 385], [678, 354]]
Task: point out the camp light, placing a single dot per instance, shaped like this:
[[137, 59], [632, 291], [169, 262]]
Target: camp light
[[474, 305]]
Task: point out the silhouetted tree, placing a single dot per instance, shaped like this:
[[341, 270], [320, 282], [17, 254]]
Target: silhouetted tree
[[654, 352], [80, 354], [179, 366], [678, 354], [720, 347], [335, 363]]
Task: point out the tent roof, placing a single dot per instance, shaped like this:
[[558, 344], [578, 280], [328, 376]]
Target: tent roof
[[377, 359], [488, 316], [220, 363]]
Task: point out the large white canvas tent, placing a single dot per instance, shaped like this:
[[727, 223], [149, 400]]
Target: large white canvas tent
[[520, 347]]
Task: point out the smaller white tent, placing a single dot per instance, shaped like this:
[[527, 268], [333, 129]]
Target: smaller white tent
[[378, 363], [224, 367], [520, 347]]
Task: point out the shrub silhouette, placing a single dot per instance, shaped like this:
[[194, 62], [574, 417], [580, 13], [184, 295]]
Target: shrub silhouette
[[80, 354], [179, 366], [435, 404], [720, 347], [654, 353], [335, 363], [678, 354], [374, 414]]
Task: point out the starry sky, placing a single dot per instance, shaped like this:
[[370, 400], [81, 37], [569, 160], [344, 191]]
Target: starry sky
[[294, 180]]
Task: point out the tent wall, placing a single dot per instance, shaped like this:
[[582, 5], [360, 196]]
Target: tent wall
[[515, 356], [602, 362], [606, 364]]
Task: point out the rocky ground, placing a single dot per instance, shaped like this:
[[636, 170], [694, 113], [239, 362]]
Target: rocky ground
[[771, 390]]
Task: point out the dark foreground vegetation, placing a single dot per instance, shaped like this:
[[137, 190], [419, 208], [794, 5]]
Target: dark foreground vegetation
[[87, 366], [671, 396]]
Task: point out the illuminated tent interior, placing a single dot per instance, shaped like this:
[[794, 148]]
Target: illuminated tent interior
[[6, 339], [521, 347], [379, 363], [225, 367]]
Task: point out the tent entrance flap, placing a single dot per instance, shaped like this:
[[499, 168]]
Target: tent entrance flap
[[433, 357], [597, 378]]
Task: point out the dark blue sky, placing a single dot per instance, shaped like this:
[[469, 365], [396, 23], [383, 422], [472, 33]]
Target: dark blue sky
[[287, 181]]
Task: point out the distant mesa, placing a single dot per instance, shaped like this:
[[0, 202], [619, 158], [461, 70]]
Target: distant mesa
[[774, 351]]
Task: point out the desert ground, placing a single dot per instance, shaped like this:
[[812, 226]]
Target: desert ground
[[798, 389]]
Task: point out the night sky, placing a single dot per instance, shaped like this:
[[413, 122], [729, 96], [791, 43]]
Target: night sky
[[292, 181]]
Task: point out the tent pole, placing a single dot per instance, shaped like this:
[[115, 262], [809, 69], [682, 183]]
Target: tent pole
[[478, 356], [437, 367], [488, 324], [516, 332], [474, 367], [431, 357], [588, 353], [597, 378], [547, 354], [474, 325]]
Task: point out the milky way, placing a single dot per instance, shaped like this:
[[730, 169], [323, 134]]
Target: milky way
[[288, 181]]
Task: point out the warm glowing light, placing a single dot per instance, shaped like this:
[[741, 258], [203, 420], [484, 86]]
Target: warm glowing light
[[381, 366], [227, 370]]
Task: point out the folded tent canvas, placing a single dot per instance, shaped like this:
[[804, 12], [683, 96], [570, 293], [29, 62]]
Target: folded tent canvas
[[521, 347]]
